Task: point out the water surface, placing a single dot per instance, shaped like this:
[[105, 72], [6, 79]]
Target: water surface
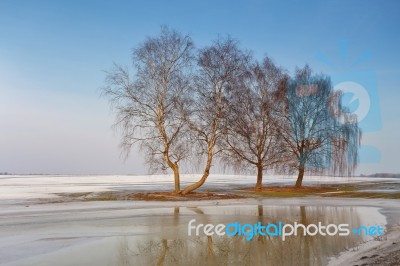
[[159, 236]]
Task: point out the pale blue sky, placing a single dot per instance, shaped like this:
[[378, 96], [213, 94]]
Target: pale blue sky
[[53, 53]]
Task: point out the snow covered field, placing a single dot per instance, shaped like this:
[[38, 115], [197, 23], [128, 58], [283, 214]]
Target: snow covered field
[[14, 189]]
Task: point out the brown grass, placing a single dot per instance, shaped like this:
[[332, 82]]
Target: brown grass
[[344, 191], [171, 196], [336, 190], [304, 189]]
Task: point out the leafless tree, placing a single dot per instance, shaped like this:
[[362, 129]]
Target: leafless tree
[[315, 136], [218, 66], [149, 104], [249, 113], [252, 138]]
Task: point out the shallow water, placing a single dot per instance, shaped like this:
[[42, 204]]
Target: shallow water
[[159, 236]]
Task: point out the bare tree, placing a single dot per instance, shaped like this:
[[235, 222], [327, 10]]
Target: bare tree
[[251, 138], [218, 66], [315, 136], [149, 104]]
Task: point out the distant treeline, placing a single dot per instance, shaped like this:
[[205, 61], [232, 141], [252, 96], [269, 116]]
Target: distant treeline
[[383, 175]]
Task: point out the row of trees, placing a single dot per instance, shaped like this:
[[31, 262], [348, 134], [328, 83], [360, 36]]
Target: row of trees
[[218, 102]]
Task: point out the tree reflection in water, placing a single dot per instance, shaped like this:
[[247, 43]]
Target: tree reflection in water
[[261, 250]]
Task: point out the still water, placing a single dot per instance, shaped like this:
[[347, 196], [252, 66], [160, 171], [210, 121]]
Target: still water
[[159, 236], [171, 245]]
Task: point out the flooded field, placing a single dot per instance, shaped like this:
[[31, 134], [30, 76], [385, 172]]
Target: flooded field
[[147, 235], [37, 227]]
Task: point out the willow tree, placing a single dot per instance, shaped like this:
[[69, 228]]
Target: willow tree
[[252, 139], [218, 66], [320, 134], [149, 104]]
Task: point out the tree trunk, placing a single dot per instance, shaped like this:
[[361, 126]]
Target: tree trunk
[[205, 174], [175, 169], [259, 177], [197, 184], [177, 178], [300, 177]]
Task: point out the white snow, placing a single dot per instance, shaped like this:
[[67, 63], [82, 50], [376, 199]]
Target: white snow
[[18, 188]]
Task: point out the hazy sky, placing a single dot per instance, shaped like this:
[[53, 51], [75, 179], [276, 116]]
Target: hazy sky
[[53, 54]]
